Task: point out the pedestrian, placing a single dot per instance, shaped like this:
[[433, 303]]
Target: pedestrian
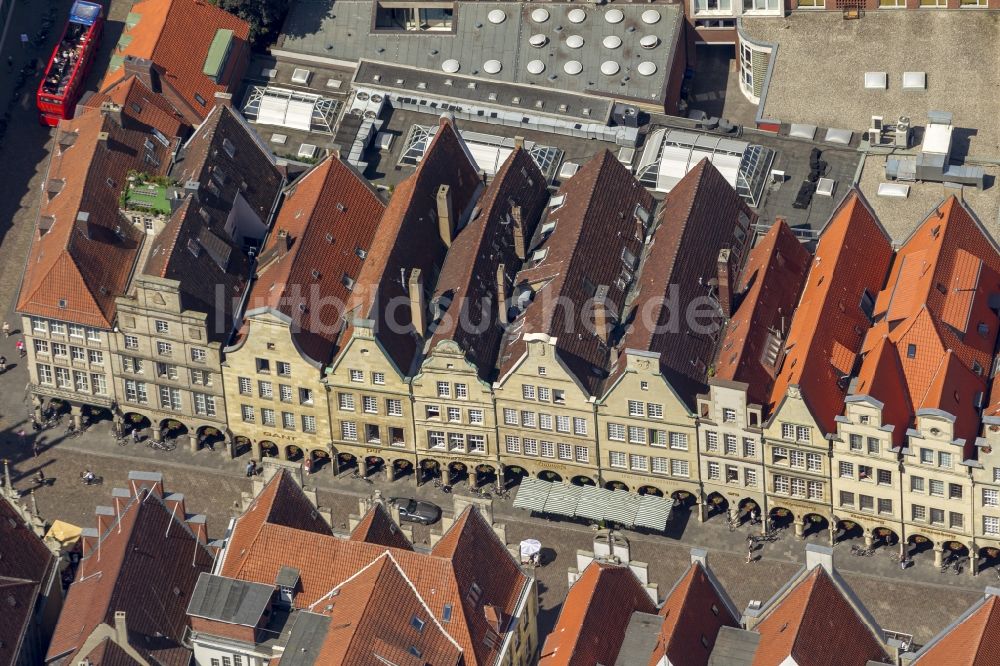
[[135, 434], [3, 364], [249, 469], [749, 541], [749, 555], [34, 447], [40, 478], [20, 347], [308, 466], [6, 329]]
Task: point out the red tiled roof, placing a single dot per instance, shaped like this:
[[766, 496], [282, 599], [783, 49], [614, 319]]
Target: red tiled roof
[[444, 577], [373, 616], [815, 624], [176, 35], [468, 277], [378, 527], [934, 318], [973, 641], [851, 260], [326, 223], [281, 502], [595, 616], [26, 565], [767, 292], [699, 217], [135, 568], [77, 267], [594, 225], [694, 610], [409, 239], [109, 653]]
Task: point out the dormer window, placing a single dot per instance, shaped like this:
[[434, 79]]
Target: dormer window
[[911, 351]]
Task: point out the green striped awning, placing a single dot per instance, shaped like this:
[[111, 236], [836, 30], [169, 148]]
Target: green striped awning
[[531, 494], [592, 503], [562, 499], [654, 512], [621, 508]]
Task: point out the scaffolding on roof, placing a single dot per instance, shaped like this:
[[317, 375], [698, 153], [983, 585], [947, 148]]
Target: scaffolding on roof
[[267, 105]]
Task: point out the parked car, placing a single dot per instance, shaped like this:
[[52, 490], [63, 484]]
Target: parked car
[[417, 511]]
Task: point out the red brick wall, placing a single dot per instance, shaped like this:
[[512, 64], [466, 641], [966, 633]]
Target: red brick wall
[[223, 629], [680, 57]]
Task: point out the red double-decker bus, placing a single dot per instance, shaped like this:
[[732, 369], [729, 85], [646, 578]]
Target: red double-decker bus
[[67, 68]]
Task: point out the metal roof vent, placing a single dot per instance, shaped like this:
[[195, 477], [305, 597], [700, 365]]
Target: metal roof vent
[[876, 81]]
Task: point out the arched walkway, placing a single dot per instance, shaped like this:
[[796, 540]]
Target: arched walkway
[[135, 421], [374, 464], [582, 480], [209, 436], [429, 469], [683, 499], [616, 485], [885, 537], [457, 472], [918, 543], [268, 449], [241, 446], [172, 428], [401, 468], [318, 460], [848, 530], [346, 461], [781, 517], [512, 475], [484, 475], [650, 490], [989, 557], [814, 524], [717, 504], [548, 475], [956, 549]]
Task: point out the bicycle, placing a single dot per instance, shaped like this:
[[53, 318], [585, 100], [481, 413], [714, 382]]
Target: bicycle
[[485, 494], [734, 525], [165, 445], [356, 475], [445, 488], [895, 557], [861, 551]]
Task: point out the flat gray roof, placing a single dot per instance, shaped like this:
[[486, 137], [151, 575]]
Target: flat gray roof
[[306, 639], [640, 639], [734, 647], [342, 32], [229, 600], [818, 74]]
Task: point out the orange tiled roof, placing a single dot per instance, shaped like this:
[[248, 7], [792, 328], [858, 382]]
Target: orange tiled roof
[[377, 526], [851, 261], [972, 641], [451, 575], [766, 293], [176, 35], [327, 223], [595, 616], [83, 252], [815, 624], [934, 319], [695, 609]]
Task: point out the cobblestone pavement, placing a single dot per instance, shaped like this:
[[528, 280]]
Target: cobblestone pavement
[[212, 484]]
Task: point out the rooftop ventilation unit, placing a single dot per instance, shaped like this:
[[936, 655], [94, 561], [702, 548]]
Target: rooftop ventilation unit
[[876, 81], [301, 76]]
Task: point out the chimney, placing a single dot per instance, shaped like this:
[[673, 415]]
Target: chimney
[[121, 629], [198, 526], [724, 277], [112, 111], [519, 142], [518, 230], [142, 69], [502, 294], [602, 318], [446, 218], [153, 481], [105, 518], [819, 556], [102, 138], [699, 556], [417, 305], [224, 99], [88, 541], [175, 505]]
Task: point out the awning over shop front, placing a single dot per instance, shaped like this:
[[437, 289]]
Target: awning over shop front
[[593, 503]]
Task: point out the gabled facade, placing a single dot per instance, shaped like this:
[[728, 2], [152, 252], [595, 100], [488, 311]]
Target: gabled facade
[[386, 318], [731, 413], [452, 398], [83, 252], [817, 360], [568, 304], [273, 371], [184, 50], [182, 303], [973, 639]]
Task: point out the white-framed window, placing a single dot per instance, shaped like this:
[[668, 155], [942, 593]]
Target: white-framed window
[[456, 441], [728, 415], [357, 375], [345, 401], [477, 443], [927, 456], [659, 465], [377, 378], [528, 419], [616, 432], [284, 368], [432, 411], [797, 458], [636, 435], [161, 326], [917, 484], [749, 447], [711, 441], [814, 462], [76, 331], [991, 525], [530, 446], [41, 346], [803, 434], [93, 335], [714, 471], [198, 355], [918, 512], [510, 416], [846, 470], [884, 506], [729, 445], [579, 426], [369, 404], [527, 391], [617, 459], [45, 374], [57, 328], [462, 391], [512, 444], [131, 342], [991, 497], [59, 349], [285, 394], [246, 411], [636, 408], [996, 475], [95, 357], [39, 325], [81, 382], [436, 439], [476, 417], [454, 415], [936, 487], [657, 437], [654, 410], [268, 417], [781, 484], [944, 460], [856, 442], [349, 430], [308, 423], [98, 384], [164, 348], [679, 441], [814, 490], [77, 353], [170, 398], [134, 366], [204, 404], [846, 498], [394, 407], [545, 421], [543, 393], [581, 454], [565, 451], [265, 390], [788, 431], [443, 390], [562, 423], [679, 468], [750, 478], [638, 463], [798, 487], [548, 449]]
